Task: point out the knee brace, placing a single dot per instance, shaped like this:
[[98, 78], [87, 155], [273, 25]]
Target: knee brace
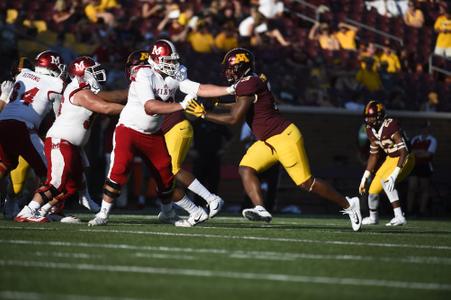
[[112, 189], [48, 188]]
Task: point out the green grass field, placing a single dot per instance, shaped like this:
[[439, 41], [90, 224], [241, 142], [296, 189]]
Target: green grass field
[[135, 257]]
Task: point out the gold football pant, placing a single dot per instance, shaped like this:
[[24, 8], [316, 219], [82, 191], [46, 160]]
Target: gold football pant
[[178, 142], [286, 148], [387, 168], [18, 175]]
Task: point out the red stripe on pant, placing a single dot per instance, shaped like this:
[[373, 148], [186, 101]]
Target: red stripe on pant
[[65, 168], [150, 147]]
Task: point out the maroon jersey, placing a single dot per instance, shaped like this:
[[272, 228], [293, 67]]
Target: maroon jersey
[[171, 119], [384, 138], [263, 117]]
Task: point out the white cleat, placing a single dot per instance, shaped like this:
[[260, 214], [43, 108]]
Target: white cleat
[[397, 221], [168, 218], [63, 219], [353, 211], [194, 219], [215, 206], [370, 221], [98, 221], [258, 213], [25, 213]]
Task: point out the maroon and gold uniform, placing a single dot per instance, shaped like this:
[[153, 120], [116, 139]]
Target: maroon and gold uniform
[[382, 139], [278, 139]]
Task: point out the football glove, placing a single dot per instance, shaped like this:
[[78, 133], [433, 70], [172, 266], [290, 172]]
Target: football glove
[[187, 100], [6, 88], [196, 109], [391, 180], [364, 181]]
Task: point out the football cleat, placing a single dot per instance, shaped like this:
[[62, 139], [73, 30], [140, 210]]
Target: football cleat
[[397, 221], [370, 221], [258, 213], [98, 221], [25, 213], [168, 218], [353, 211], [215, 206], [194, 219]]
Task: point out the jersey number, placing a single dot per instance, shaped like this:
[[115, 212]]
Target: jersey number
[[27, 97]]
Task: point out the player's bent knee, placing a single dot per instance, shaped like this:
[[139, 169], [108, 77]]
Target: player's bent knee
[[308, 184]]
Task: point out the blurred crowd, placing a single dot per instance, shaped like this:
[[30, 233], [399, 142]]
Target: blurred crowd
[[314, 52]]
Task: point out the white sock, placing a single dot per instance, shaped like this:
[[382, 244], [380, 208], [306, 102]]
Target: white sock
[[199, 189], [373, 214], [398, 212], [45, 209], [105, 209], [166, 208], [187, 205], [34, 205]]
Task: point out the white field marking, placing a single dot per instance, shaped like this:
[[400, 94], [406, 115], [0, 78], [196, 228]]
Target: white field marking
[[254, 238], [67, 254], [242, 254], [38, 296], [164, 256], [271, 239], [232, 275]]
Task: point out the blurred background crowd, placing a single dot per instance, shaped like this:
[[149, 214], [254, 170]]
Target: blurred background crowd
[[338, 53], [323, 53]]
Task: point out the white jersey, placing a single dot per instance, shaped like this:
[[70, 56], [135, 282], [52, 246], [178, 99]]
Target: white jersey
[[73, 123], [32, 98], [147, 84]]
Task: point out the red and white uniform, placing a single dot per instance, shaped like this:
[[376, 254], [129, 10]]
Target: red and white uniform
[[31, 99], [63, 145], [138, 133]]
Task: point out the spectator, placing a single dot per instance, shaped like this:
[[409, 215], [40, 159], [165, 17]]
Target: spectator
[[369, 52], [368, 78], [327, 41], [443, 27], [201, 39], [423, 147], [388, 8], [227, 38], [346, 36], [389, 56], [413, 16], [432, 102]]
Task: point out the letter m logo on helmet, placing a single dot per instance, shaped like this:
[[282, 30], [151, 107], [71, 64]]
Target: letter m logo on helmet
[[80, 66], [55, 59]]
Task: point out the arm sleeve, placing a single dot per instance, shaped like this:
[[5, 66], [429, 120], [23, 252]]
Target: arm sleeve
[[433, 146], [189, 87]]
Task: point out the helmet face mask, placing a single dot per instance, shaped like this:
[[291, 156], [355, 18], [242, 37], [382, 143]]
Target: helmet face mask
[[164, 58], [238, 63], [85, 69]]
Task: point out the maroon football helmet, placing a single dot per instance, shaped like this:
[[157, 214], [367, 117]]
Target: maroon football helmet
[[164, 57], [374, 114], [87, 70], [49, 63], [238, 62], [136, 58]]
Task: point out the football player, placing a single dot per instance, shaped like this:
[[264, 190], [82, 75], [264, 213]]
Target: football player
[[384, 134], [67, 136], [278, 140], [33, 94], [151, 96], [178, 134]]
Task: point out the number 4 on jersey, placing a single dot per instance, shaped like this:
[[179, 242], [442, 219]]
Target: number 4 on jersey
[[27, 97]]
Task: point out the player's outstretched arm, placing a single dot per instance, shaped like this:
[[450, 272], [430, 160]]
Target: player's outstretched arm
[[115, 96], [156, 107], [211, 90], [94, 103]]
